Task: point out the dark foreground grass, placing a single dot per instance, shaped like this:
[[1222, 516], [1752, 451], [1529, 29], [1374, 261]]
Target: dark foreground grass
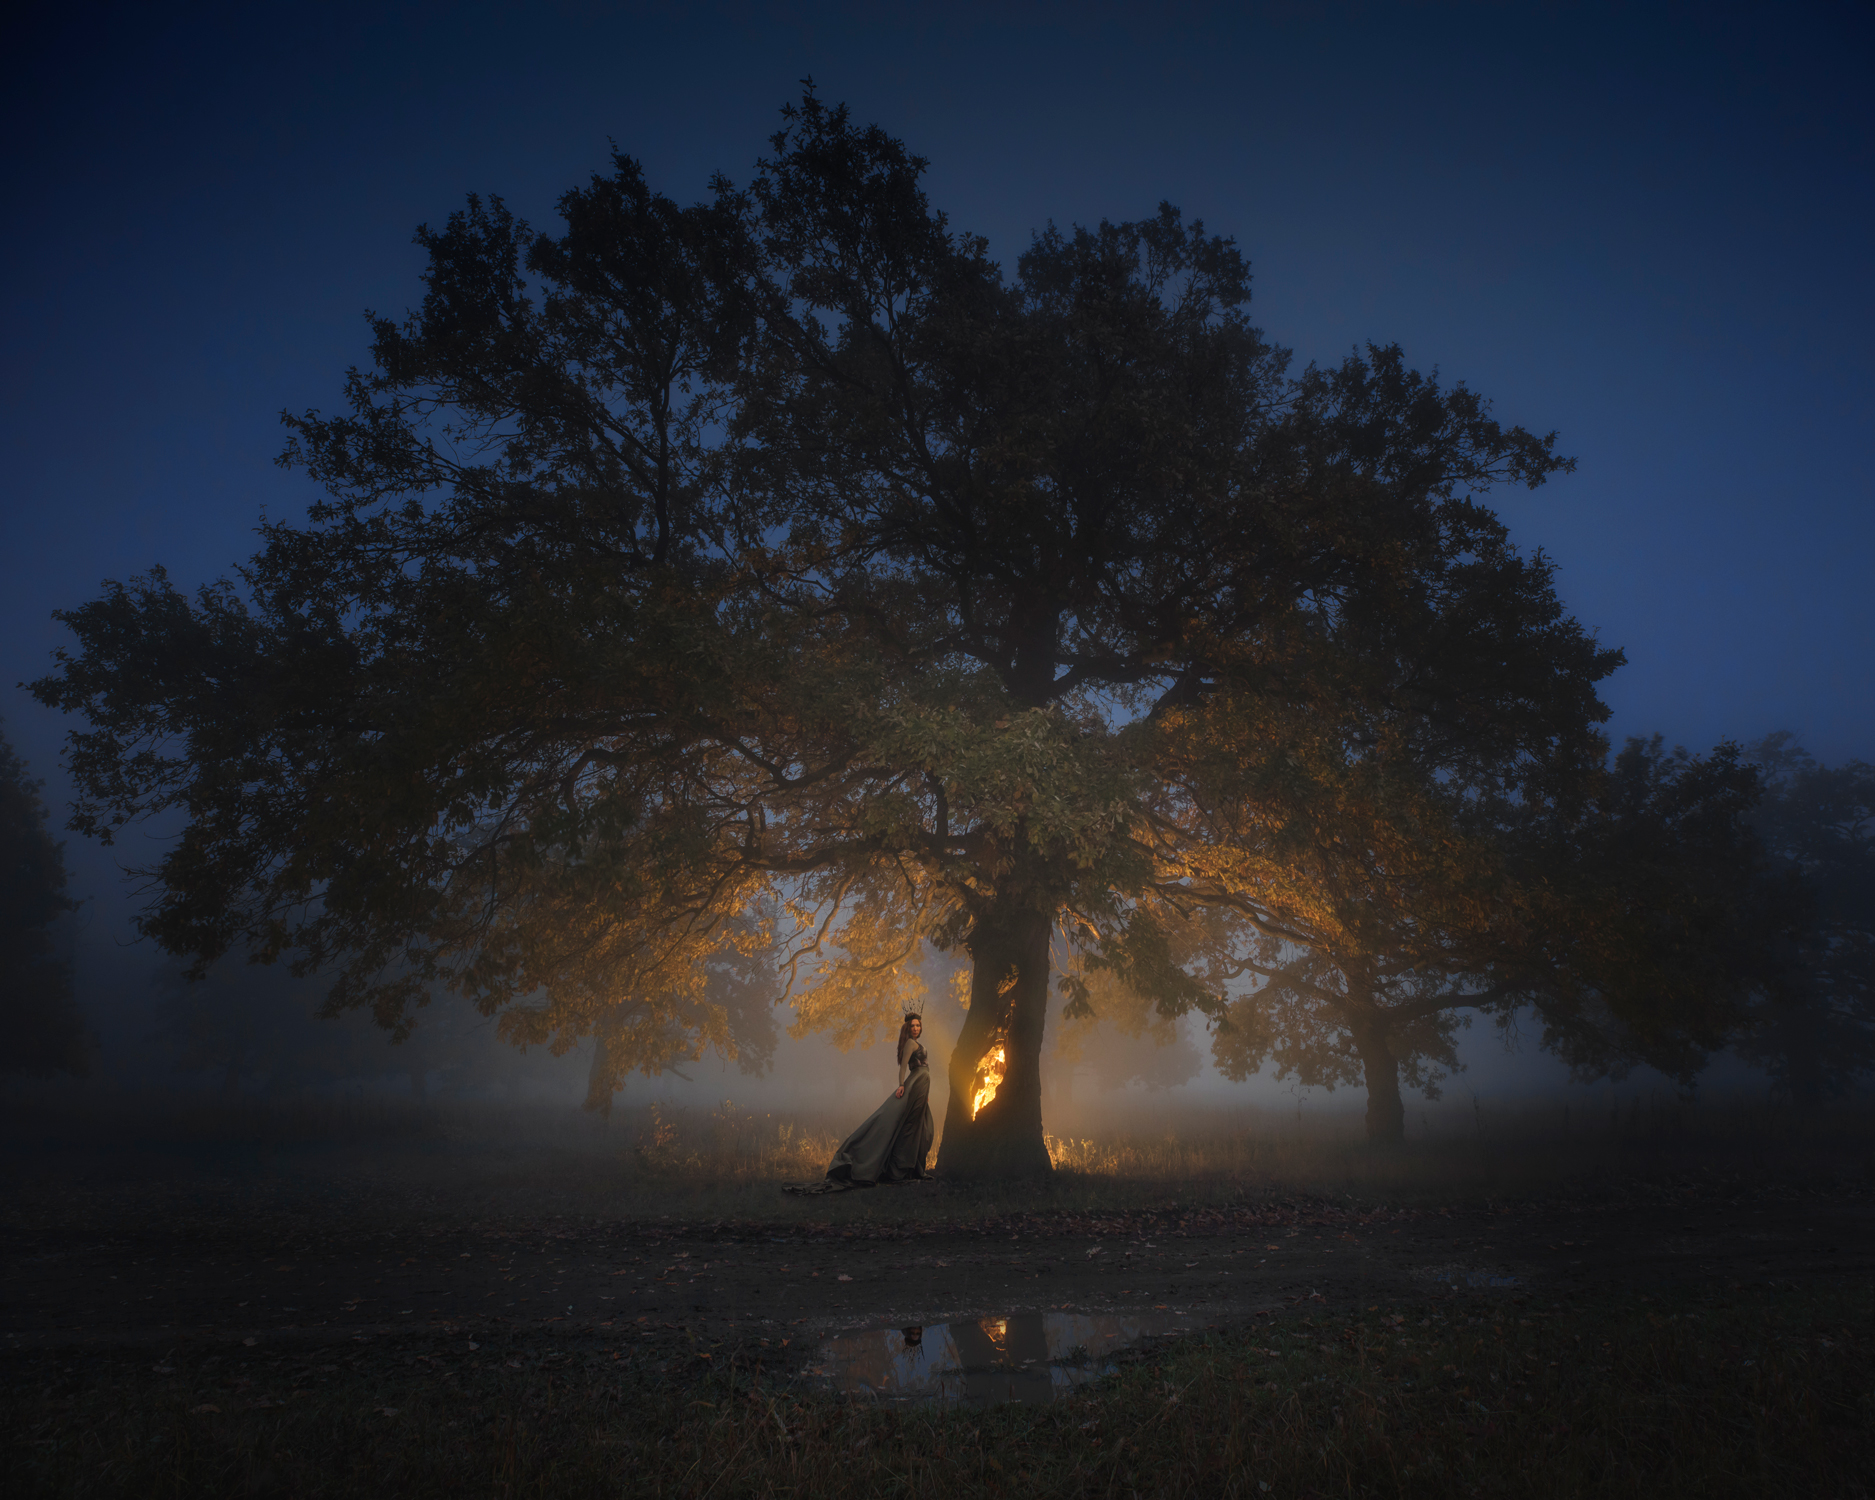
[[1759, 1392]]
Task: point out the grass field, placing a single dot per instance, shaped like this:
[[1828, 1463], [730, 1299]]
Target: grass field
[[726, 1162], [1707, 1388]]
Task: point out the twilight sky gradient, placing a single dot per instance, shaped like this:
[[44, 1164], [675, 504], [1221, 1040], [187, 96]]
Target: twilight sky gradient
[[1646, 226]]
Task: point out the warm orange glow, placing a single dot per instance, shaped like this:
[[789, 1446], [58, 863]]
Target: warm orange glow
[[989, 1076]]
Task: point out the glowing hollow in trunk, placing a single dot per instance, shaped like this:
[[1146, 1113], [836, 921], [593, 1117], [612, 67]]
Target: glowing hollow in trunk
[[989, 1076]]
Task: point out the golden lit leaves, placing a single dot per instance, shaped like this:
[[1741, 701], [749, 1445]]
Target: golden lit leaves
[[855, 960]]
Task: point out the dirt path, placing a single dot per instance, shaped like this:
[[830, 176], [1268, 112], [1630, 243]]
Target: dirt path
[[326, 1277]]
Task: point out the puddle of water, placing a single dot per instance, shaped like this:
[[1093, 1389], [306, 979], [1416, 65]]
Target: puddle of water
[[1469, 1277], [1033, 1357]]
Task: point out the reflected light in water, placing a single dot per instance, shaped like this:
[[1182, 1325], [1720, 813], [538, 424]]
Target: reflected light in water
[[1023, 1357]]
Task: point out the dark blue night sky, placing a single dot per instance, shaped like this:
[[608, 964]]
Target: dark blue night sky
[[1648, 227]]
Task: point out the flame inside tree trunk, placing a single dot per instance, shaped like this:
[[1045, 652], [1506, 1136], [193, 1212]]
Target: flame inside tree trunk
[[1008, 948], [989, 1076]]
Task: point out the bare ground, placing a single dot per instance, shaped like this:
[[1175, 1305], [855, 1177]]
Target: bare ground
[[120, 1247]]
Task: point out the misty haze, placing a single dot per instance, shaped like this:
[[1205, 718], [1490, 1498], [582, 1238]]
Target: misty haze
[[994, 753]]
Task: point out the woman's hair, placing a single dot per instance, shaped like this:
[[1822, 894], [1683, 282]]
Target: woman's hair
[[905, 1042]]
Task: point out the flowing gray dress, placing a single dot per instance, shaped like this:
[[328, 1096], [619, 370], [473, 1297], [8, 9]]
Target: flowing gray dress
[[892, 1144]]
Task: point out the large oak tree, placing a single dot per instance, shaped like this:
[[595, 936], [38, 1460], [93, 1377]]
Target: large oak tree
[[783, 574]]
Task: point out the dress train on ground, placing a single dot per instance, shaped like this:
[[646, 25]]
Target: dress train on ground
[[890, 1146]]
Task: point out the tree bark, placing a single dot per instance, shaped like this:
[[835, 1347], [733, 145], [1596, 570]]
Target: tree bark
[[1386, 1111], [599, 1079], [1008, 999]]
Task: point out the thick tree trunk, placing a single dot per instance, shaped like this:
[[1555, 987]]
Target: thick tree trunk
[[1008, 1003], [1386, 1111]]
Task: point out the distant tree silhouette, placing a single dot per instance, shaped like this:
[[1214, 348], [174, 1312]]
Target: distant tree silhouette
[[1815, 1025], [785, 555], [1674, 926], [42, 1031], [1615, 921]]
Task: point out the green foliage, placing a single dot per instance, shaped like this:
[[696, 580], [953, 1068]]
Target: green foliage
[[41, 1029]]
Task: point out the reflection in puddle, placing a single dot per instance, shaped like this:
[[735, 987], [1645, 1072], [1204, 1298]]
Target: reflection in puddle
[[1023, 1357], [1471, 1277]]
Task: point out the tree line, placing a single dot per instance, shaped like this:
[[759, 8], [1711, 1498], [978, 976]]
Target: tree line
[[716, 604]]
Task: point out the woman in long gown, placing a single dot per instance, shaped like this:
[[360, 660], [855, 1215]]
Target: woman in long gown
[[892, 1144]]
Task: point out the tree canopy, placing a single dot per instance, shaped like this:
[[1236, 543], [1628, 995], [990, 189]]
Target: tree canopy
[[782, 575]]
